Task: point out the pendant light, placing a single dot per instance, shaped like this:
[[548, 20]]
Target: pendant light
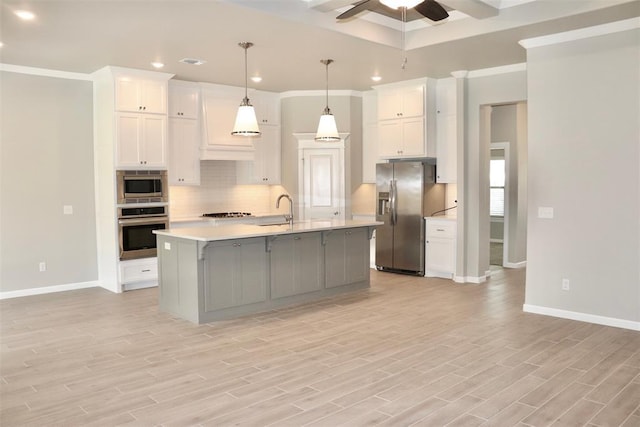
[[246, 123], [327, 129]]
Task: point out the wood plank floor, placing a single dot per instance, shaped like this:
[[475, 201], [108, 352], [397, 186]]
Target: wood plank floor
[[408, 351]]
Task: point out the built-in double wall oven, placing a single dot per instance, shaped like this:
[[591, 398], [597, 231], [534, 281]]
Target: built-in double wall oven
[[142, 208]]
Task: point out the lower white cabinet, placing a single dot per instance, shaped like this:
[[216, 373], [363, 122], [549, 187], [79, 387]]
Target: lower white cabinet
[[346, 256], [236, 273], [440, 247], [139, 273]]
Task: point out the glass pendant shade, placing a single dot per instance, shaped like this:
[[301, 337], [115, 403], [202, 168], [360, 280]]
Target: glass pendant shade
[[394, 4], [327, 129], [246, 122]]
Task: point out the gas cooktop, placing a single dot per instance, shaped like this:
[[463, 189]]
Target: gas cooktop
[[226, 214]]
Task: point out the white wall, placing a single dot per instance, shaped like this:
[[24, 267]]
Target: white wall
[[483, 89], [300, 112], [509, 124], [46, 162], [584, 159], [218, 192]]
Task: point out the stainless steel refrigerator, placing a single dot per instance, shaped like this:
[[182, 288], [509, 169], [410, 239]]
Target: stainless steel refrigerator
[[406, 193]]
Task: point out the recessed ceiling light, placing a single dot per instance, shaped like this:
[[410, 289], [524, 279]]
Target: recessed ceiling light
[[25, 15], [157, 64], [192, 61], [376, 78], [256, 79]]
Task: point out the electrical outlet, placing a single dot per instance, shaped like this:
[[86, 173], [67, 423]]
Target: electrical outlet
[[42, 266], [565, 284], [67, 210], [545, 212]]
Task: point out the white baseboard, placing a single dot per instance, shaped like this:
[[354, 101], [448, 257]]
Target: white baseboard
[[469, 279], [582, 317], [48, 289], [520, 264]]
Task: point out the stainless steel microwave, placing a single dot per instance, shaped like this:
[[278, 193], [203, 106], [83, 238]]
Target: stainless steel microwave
[[142, 186]]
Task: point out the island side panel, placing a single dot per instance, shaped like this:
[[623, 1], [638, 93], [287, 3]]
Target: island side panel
[[178, 277]]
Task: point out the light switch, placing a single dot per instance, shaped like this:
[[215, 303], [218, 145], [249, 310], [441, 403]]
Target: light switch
[[545, 212], [67, 210]]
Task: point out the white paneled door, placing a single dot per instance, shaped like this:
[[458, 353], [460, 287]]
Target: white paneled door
[[323, 183]]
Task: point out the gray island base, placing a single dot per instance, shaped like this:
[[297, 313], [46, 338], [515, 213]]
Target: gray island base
[[212, 273]]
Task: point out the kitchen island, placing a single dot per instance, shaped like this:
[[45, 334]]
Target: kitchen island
[[209, 273]]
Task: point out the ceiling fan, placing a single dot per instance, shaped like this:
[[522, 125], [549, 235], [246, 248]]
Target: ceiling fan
[[427, 8]]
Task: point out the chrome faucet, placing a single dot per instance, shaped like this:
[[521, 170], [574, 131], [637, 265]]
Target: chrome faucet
[[290, 216]]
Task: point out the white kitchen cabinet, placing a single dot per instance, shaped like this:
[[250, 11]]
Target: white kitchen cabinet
[[346, 256], [236, 273], [446, 130], [406, 121], [265, 168], [369, 136], [440, 247], [184, 133], [138, 273], [184, 100], [395, 102], [184, 155], [401, 138], [267, 106], [141, 95], [220, 106], [141, 140]]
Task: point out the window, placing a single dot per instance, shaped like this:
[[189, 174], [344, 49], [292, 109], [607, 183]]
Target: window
[[496, 183]]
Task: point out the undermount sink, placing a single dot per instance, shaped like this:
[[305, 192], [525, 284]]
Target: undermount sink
[[272, 220]]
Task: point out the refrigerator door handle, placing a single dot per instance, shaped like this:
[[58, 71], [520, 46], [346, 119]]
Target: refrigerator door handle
[[394, 213]]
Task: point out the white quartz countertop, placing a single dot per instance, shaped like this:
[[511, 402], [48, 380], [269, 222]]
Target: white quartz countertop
[[209, 233]]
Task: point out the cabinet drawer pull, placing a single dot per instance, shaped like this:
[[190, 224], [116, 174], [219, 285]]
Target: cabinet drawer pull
[[146, 271], [439, 229]]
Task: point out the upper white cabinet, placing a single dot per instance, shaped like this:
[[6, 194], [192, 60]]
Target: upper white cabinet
[[184, 133], [220, 106], [184, 155], [265, 168], [184, 100], [141, 140], [399, 102], [143, 95], [447, 130], [369, 136], [406, 122], [267, 106]]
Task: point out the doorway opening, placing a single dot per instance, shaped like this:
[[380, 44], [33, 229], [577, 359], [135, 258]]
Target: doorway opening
[[498, 203]]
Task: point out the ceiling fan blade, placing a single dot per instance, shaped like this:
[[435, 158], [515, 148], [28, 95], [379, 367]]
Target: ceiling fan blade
[[432, 10], [357, 8]]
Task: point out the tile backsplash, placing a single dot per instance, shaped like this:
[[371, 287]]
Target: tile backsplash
[[217, 192]]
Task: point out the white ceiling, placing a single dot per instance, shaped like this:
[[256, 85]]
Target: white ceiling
[[290, 37]]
